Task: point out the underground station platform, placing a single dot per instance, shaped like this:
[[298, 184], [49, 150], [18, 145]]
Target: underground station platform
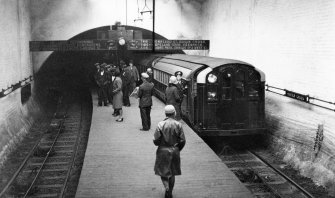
[[119, 160]]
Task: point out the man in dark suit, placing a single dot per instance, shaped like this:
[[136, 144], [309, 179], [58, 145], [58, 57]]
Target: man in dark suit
[[145, 93], [126, 85]]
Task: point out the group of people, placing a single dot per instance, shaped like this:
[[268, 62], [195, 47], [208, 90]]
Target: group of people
[[115, 84]]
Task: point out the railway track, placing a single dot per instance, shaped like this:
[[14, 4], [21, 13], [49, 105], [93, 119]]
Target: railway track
[[47, 167], [259, 176]]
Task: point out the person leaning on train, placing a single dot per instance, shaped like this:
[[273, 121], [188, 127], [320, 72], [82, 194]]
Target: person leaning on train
[[170, 139], [172, 96], [145, 93]]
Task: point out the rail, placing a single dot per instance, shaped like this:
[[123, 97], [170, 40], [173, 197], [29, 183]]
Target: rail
[[301, 97]]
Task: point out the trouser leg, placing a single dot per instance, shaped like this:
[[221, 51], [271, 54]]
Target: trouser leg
[[171, 183], [105, 95], [148, 110], [165, 181], [100, 96], [143, 117]]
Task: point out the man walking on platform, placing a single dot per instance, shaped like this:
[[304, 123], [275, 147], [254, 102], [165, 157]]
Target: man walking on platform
[[145, 93], [170, 139]]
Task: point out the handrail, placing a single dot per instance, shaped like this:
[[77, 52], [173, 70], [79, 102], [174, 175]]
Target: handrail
[[301, 97]]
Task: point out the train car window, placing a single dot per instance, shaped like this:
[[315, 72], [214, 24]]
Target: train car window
[[254, 87], [226, 85], [240, 84]]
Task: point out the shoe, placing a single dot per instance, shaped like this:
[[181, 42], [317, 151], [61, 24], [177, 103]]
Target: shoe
[[144, 129], [119, 120]]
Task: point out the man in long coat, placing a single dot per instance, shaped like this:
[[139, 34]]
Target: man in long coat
[[172, 96], [145, 93], [170, 139]]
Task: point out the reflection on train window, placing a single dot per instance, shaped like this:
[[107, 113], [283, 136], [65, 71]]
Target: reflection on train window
[[253, 91], [239, 84], [226, 79], [226, 85], [226, 93], [253, 77]]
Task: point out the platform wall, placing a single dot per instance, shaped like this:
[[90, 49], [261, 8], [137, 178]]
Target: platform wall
[[15, 117]]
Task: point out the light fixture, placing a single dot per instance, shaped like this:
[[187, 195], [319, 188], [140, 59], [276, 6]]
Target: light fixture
[[138, 19], [212, 78], [122, 41], [146, 8]]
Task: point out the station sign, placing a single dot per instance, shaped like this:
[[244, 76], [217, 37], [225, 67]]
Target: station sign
[[294, 95], [73, 45], [146, 44], [134, 44]]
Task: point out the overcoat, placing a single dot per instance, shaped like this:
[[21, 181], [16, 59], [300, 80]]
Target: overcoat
[[145, 93], [172, 95], [170, 139], [117, 93]]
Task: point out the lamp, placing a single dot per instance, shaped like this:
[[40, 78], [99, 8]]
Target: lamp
[[138, 19], [145, 9]]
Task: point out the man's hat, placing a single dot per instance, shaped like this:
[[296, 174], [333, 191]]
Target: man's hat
[[178, 73], [173, 80], [145, 75], [149, 70], [169, 109]]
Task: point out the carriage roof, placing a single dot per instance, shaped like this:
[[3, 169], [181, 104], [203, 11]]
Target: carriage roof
[[189, 64]]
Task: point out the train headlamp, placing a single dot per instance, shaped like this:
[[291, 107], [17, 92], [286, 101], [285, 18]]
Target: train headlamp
[[122, 41], [212, 78]]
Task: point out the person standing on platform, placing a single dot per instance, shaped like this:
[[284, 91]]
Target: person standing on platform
[[135, 77], [101, 78], [149, 72], [145, 93], [117, 95], [170, 139], [172, 95], [126, 85], [181, 89]]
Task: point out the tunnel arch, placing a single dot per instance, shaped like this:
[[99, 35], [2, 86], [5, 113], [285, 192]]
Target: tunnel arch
[[73, 69]]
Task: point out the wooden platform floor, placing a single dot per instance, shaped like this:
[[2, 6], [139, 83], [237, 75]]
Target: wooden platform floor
[[119, 160]]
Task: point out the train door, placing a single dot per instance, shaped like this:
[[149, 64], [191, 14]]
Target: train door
[[233, 104], [225, 109]]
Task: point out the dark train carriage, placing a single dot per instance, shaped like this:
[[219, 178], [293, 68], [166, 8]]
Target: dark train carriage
[[224, 97]]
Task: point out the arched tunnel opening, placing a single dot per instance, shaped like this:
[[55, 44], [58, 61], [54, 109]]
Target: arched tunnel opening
[[74, 70]]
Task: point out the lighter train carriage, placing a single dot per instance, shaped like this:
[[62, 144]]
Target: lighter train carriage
[[223, 97]]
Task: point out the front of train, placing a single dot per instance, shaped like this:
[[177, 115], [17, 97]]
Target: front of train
[[232, 101]]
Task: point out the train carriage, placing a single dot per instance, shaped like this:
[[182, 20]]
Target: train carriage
[[223, 97]]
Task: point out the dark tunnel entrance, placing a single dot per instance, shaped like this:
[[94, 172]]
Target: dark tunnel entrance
[[74, 70]]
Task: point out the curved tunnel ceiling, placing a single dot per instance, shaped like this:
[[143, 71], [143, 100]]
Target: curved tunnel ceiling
[[74, 67]]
